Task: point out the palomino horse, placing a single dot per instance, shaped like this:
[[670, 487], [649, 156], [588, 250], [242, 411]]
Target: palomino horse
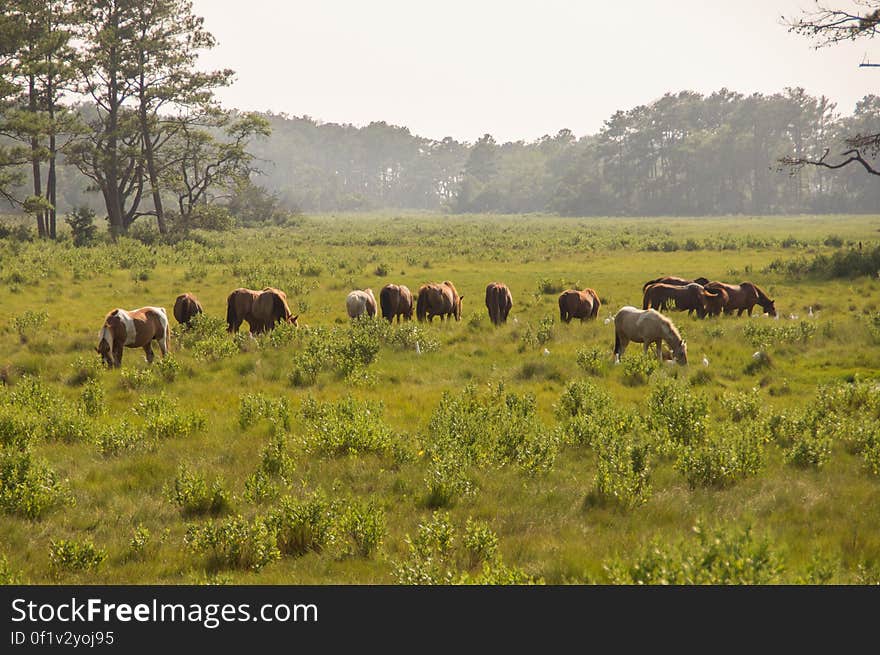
[[743, 297], [578, 304], [438, 300], [136, 328], [498, 301], [185, 307], [261, 309], [358, 303], [691, 298], [676, 281], [647, 326], [396, 301]]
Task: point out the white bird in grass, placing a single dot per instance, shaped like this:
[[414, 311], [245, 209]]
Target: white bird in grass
[[705, 361], [810, 313], [607, 321], [546, 352], [418, 349], [793, 317]]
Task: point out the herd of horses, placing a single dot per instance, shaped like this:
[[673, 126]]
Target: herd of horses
[[264, 309]]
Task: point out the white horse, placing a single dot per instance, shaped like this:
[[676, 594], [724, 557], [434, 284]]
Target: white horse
[[358, 303], [647, 326]]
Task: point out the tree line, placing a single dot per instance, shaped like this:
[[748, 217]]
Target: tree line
[[102, 104]]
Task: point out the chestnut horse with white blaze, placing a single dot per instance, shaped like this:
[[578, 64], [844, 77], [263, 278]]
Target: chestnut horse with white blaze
[[136, 328]]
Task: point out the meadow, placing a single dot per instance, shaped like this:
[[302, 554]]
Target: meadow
[[342, 453]]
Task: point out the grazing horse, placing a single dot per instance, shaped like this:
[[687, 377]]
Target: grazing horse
[[358, 303], [578, 304], [647, 326], [498, 302], [743, 297], [136, 328], [691, 297], [438, 300], [676, 281], [261, 309], [186, 306], [396, 301]]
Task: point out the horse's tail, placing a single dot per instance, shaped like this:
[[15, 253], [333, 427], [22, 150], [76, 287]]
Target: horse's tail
[[422, 305], [279, 309], [562, 312], [385, 303], [230, 313], [596, 304], [646, 301]]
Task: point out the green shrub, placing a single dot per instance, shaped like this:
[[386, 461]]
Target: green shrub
[[167, 367], [303, 526], [194, 496], [741, 406], [809, 450], [723, 556], [255, 406], [29, 323], [139, 542], [480, 543], [118, 437], [18, 427], [677, 412], [362, 528], [259, 487], [622, 471], [349, 427], [7, 575], [28, 487], [274, 460], [593, 360], [66, 555], [134, 379], [725, 457], [84, 369], [638, 367], [92, 398], [234, 543], [67, 424]]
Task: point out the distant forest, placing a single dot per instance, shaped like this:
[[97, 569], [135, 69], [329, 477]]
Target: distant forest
[[684, 154]]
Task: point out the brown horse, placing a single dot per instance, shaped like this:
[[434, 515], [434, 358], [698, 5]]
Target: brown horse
[[186, 306], [691, 298], [396, 301], [498, 301], [438, 300], [743, 297], [673, 280], [578, 304], [136, 328], [261, 309]]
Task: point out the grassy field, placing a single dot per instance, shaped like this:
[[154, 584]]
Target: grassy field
[[337, 453]]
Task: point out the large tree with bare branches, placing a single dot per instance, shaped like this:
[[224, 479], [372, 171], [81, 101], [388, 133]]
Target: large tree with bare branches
[[826, 26]]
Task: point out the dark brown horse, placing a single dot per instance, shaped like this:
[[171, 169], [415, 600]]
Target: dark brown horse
[[396, 301], [263, 310], [136, 328], [673, 280], [743, 297], [186, 306], [498, 302], [691, 298], [438, 300], [578, 304]]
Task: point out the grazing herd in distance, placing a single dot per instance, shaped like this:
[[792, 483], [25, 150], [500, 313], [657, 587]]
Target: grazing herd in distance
[[265, 308]]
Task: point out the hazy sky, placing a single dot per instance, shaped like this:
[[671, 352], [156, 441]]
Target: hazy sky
[[517, 70]]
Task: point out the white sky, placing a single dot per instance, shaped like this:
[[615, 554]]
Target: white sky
[[515, 69]]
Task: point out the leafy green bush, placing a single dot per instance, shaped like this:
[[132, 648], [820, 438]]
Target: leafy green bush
[[622, 471], [66, 555], [741, 406], [349, 427], [361, 528], [29, 323], [255, 406], [302, 526], [809, 450], [723, 556], [726, 456], [68, 424], [592, 360], [677, 412], [92, 398], [234, 543], [28, 487], [117, 437], [194, 496], [274, 460], [638, 367], [18, 427], [84, 369]]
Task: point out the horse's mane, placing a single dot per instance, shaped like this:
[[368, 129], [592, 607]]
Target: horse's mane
[[758, 290], [665, 320], [451, 286]]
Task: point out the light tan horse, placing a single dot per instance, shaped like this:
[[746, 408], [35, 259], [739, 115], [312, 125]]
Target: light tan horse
[[261, 309], [136, 328], [578, 304], [647, 326], [358, 303], [396, 301], [186, 306], [438, 300], [499, 301]]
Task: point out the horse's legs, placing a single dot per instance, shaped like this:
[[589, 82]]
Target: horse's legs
[[751, 307], [740, 312], [149, 350], [660, 350]]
